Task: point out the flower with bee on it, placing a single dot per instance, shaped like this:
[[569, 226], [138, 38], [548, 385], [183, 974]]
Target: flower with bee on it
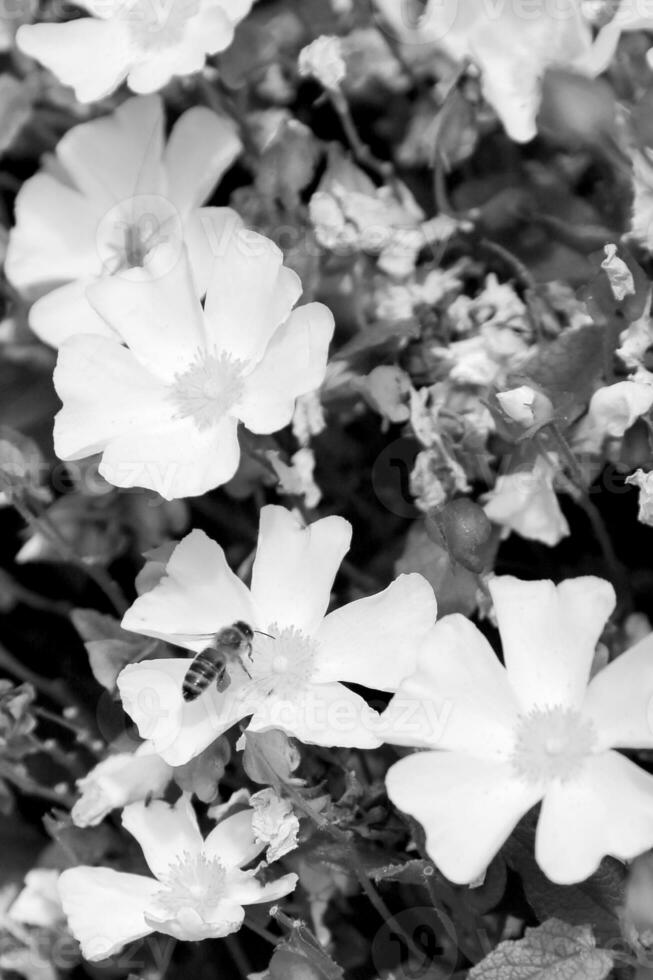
[[293, 680]]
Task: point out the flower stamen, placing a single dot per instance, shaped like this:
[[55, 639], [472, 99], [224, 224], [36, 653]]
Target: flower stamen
[[552, 743], [283, 663], [194, 882], [208, 389]]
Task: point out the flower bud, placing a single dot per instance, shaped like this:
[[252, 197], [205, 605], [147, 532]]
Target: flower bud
[[467, 532], [322, 59], [526, 406], [274, 823], [126, 777]]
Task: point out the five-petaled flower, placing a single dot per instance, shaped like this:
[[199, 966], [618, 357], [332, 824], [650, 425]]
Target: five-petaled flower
[[146, 43], [164, 410], [198, 890], [292, 680], [118, 192], [509, 737]]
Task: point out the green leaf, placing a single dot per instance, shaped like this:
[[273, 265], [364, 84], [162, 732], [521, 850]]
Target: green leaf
[[595, 901], [109, 647], [270, 759], [553, 951], [568, 368], [410, 873], [88, 845], [300, 957]]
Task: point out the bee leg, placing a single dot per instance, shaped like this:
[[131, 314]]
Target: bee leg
[[223, 682]]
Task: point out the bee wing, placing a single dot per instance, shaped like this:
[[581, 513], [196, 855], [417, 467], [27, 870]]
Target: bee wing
[[190, 637]]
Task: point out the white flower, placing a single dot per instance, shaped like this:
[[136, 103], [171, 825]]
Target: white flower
[[518, 404], [526, 406], [123, 778], [297, 479], [612, 411], [502, 739], [146, 43], [274, 824], [619, 275], [636, 339], [198, 890], [164, 410], [514, 43], [484, 358], [526, 503], [645, 483], [322, 59], [115, 192], [38, 904], [294, 673]]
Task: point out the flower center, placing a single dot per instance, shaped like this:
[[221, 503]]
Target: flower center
[[158, 26], [283, 662], [192, 882], [208, 389], [552, 743]]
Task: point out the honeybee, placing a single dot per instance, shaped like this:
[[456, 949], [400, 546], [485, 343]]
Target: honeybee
[[230, 645]]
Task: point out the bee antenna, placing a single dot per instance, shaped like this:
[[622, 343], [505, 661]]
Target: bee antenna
[[265, 634]]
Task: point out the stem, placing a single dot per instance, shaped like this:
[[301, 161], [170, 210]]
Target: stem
[[589, 507], [262, 932], [42, 525], [357, 867], [31, 788], [51, 689], [238, 956], [362, 153]]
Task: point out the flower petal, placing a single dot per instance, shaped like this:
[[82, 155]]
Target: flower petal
[[374, 641], [173, 458], [180, 730], [165, 833], [53, 240], [549, 634], [458, 698], [105, 908], [201, 148], [321, 714], [66, 312], [151, 70], [155, 310], [189, 926], [295, 567], [205, 231], [247, 890], [90, 55], [607, 809], [294, 363], [119, 155], [198, 594], [619, 699], [467, 806], [105, 393], [232, 841], [250, 294]]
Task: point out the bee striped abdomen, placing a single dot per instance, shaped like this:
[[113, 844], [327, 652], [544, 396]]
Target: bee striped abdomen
[[205, 668]]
